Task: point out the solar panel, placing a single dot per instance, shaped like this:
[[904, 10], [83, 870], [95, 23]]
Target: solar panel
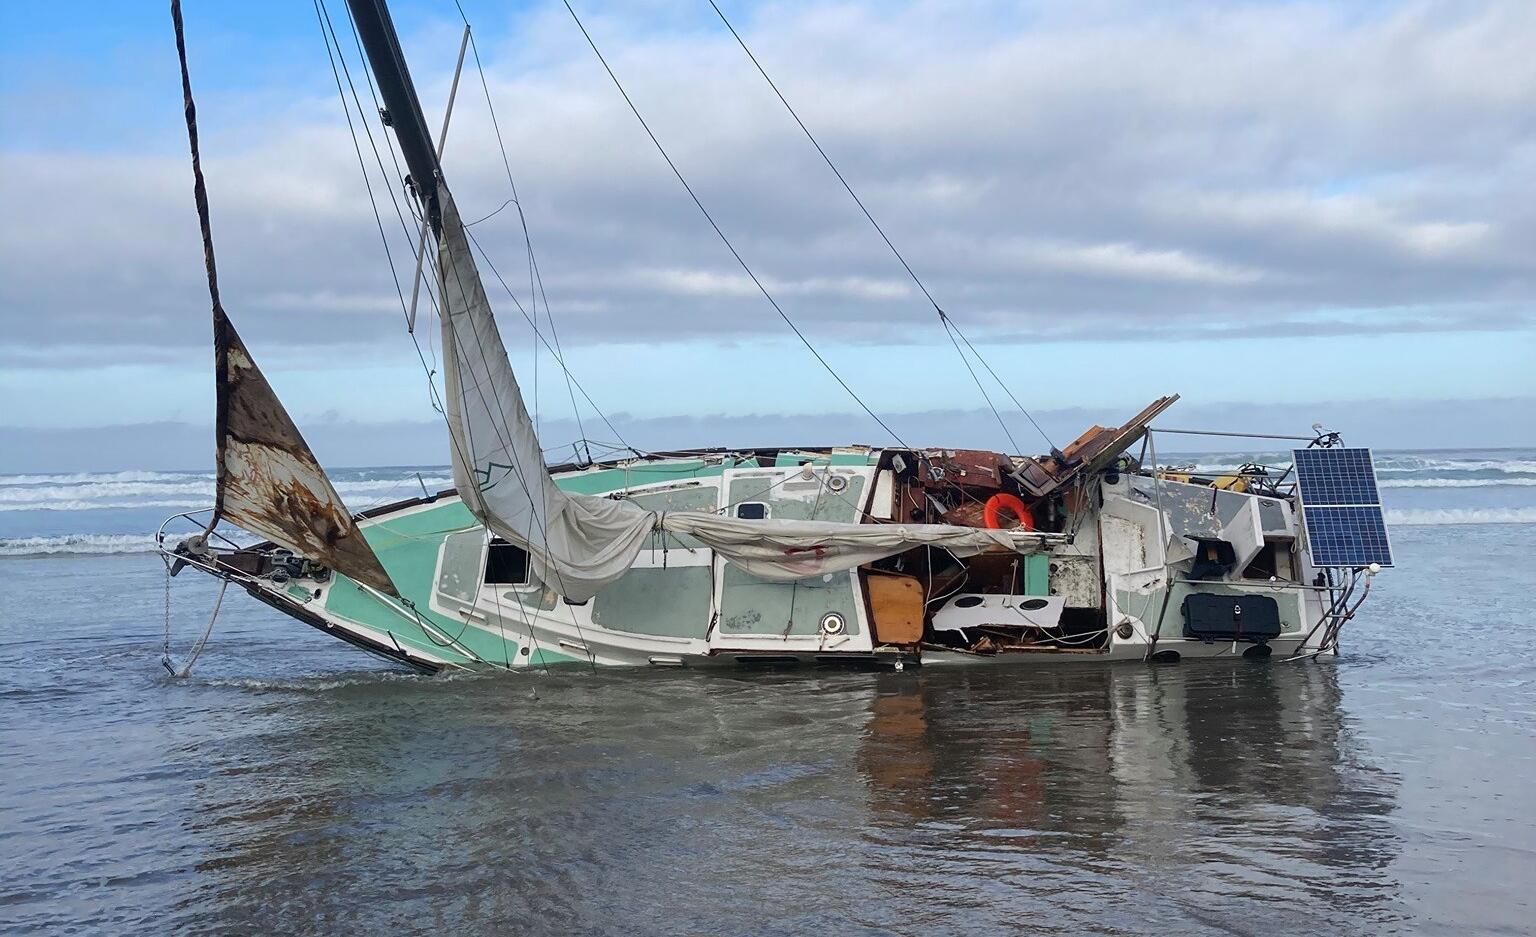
[[1341, 507], [1350, 535], [1336, 476]]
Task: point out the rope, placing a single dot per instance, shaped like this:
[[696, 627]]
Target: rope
[[202, 641], [943, 316], [1013, 446], [552, 349]]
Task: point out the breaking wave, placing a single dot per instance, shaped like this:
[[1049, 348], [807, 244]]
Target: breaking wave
[[95, 490], [77, 543], [1385, 465], [79, 505], [1457, 482], [1424, 517], [87, 478], [1403, 463], [87, 492]]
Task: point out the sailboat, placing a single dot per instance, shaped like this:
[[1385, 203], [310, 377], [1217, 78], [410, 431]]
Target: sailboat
[[889, 556]]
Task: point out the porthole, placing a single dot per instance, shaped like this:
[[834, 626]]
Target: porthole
[[832, 623]]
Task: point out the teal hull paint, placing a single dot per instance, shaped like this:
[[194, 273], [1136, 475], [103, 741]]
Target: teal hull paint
[[543, 658], [408, 548], [603, 481]]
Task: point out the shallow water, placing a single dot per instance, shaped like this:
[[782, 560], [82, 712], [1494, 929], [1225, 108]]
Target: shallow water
[[297, 786]]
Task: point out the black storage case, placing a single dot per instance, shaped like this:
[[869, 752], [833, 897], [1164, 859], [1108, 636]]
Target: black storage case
[[1209, 617]]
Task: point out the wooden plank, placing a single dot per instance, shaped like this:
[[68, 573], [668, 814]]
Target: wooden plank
[[895, 608]]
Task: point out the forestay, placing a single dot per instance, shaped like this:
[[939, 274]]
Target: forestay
[[580, 543]]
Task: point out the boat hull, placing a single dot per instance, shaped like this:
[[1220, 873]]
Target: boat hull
[[467, 601]]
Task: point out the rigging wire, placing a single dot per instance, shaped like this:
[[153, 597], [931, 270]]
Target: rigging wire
[[399, 177], [346, 71], [943, 316], [723, 238], [534, 274], [471, 224], [552, 350], [322, 16], [944, 321], [378, 219]]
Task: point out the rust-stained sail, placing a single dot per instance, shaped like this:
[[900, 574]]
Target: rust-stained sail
[[268, 480]]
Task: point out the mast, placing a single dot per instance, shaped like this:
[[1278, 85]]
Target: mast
[[403, 110]]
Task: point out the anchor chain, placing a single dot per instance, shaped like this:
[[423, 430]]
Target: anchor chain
[[165, 646]]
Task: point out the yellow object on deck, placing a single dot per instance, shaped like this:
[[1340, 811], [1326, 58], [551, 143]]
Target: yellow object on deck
[[1238, 483]]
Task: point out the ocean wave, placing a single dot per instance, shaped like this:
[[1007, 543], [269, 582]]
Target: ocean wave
[[77, 543], [95, 490], [87, 478], [1438, 516], [105, 505], [122, 494], [1457, 482], [1405, 464]]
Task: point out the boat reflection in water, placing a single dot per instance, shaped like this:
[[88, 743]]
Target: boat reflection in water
[[1200, 792], [1126, 798]]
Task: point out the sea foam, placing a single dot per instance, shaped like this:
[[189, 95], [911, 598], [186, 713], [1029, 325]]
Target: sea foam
[[1422, 517], [77, 543]]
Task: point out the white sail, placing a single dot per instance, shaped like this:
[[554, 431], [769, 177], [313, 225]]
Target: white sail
[[580, 543], [790, 549]]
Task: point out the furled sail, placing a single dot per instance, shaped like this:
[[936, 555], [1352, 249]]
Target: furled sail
[[268, 479], [790, 549], [577, 543], [580, 543]]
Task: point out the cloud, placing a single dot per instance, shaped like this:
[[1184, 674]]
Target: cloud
[[711, 283], [1067, 171]]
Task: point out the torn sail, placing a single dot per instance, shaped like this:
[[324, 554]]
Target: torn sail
[[268, 480]]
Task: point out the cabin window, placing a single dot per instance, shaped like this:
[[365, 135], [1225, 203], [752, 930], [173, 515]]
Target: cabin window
[[458, 570], [752, 511], [506, 564]]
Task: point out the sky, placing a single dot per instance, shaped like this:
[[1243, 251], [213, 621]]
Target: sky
[[1284, 212]]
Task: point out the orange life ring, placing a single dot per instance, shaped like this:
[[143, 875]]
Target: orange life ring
[[1003, 501]]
